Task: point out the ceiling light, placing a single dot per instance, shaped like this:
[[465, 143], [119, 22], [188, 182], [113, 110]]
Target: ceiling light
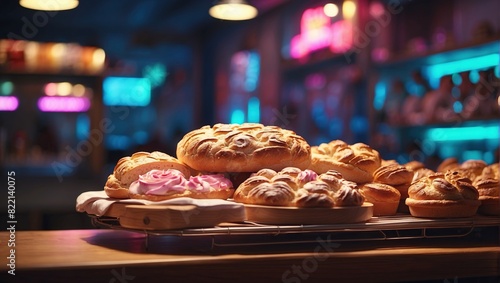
[[233, 10], [49, 5]]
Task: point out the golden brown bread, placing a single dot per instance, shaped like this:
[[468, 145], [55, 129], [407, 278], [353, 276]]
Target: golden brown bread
[[443, 195], [393, 174], [414, 165], [397, 176], [301, 188], [450, 163], [129, 168], [472, 168], [385, 198], [248, 147], [355, 162], [488, 186]]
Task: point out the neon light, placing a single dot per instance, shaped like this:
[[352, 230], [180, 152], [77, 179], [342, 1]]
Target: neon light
[[435, 72], [317, 32], [63, 104], [6, 88], [237, 117], [126, 91], [8, 103], [380, 93], [252, 72], [253, 110], [463, 133]]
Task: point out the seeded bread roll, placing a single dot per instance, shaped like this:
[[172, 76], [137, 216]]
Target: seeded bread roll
[[355, 162], [443, 195], [294, 187], [248, 147], [385, 198]]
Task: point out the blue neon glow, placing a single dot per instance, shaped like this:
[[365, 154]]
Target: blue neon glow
[[126, 91], [253, 110], [380, 93], [474, 76], [457, 79], [252, 72], [457, 107], [82, 126], [237, 117], [497, 71], [463, 133], [435, 72]]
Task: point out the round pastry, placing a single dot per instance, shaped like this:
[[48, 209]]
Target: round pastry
[[420, 173], [397, 176], [385, 198], [414, 165], [128, 169], [472, 168], [294, 187], [248, 147], [443, 195], [450, 163], [488, 186], [355, 162], [158, 185]]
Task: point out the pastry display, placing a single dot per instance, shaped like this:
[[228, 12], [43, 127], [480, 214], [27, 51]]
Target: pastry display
[[385, 198], [157, 176], [488, 186], [248, 147], [355, 162], [443, 195], [298, 188]]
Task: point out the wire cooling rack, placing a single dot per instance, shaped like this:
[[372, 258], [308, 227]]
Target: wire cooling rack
[[397, 227]]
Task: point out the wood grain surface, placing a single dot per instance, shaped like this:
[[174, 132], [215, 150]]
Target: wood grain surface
[[121, 256]]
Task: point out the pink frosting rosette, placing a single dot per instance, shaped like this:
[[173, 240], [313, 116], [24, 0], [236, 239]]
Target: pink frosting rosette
[[159, 182], [203, 183], [307, 176]]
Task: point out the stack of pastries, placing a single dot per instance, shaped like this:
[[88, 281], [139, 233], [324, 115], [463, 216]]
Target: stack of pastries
[[280, 168]]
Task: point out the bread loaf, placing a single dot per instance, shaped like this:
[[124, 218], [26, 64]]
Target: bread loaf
[[355, 162], [248, 147]]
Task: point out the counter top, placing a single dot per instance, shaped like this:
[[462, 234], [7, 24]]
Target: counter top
[[106, 255]]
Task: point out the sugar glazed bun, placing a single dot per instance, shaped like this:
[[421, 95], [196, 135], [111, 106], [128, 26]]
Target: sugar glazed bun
[[294, 187], [128, 169], [248, 147], [443, 195], [157, 176], [355, 162], [385, 198], [488, 186]]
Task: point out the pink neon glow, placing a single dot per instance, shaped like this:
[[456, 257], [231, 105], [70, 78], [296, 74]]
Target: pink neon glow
[[63, 104], [8, 103], [342, 35], [317, 32]]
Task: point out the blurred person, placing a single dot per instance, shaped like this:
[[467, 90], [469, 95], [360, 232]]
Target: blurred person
[[394, 101], [437, 104]]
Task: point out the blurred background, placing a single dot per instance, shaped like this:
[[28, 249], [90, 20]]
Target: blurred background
[[81, 88]]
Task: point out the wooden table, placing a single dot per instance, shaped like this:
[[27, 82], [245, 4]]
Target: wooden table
[[104, 255]]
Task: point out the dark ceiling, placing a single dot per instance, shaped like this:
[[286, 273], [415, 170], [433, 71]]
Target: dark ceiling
[[172, 20]]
